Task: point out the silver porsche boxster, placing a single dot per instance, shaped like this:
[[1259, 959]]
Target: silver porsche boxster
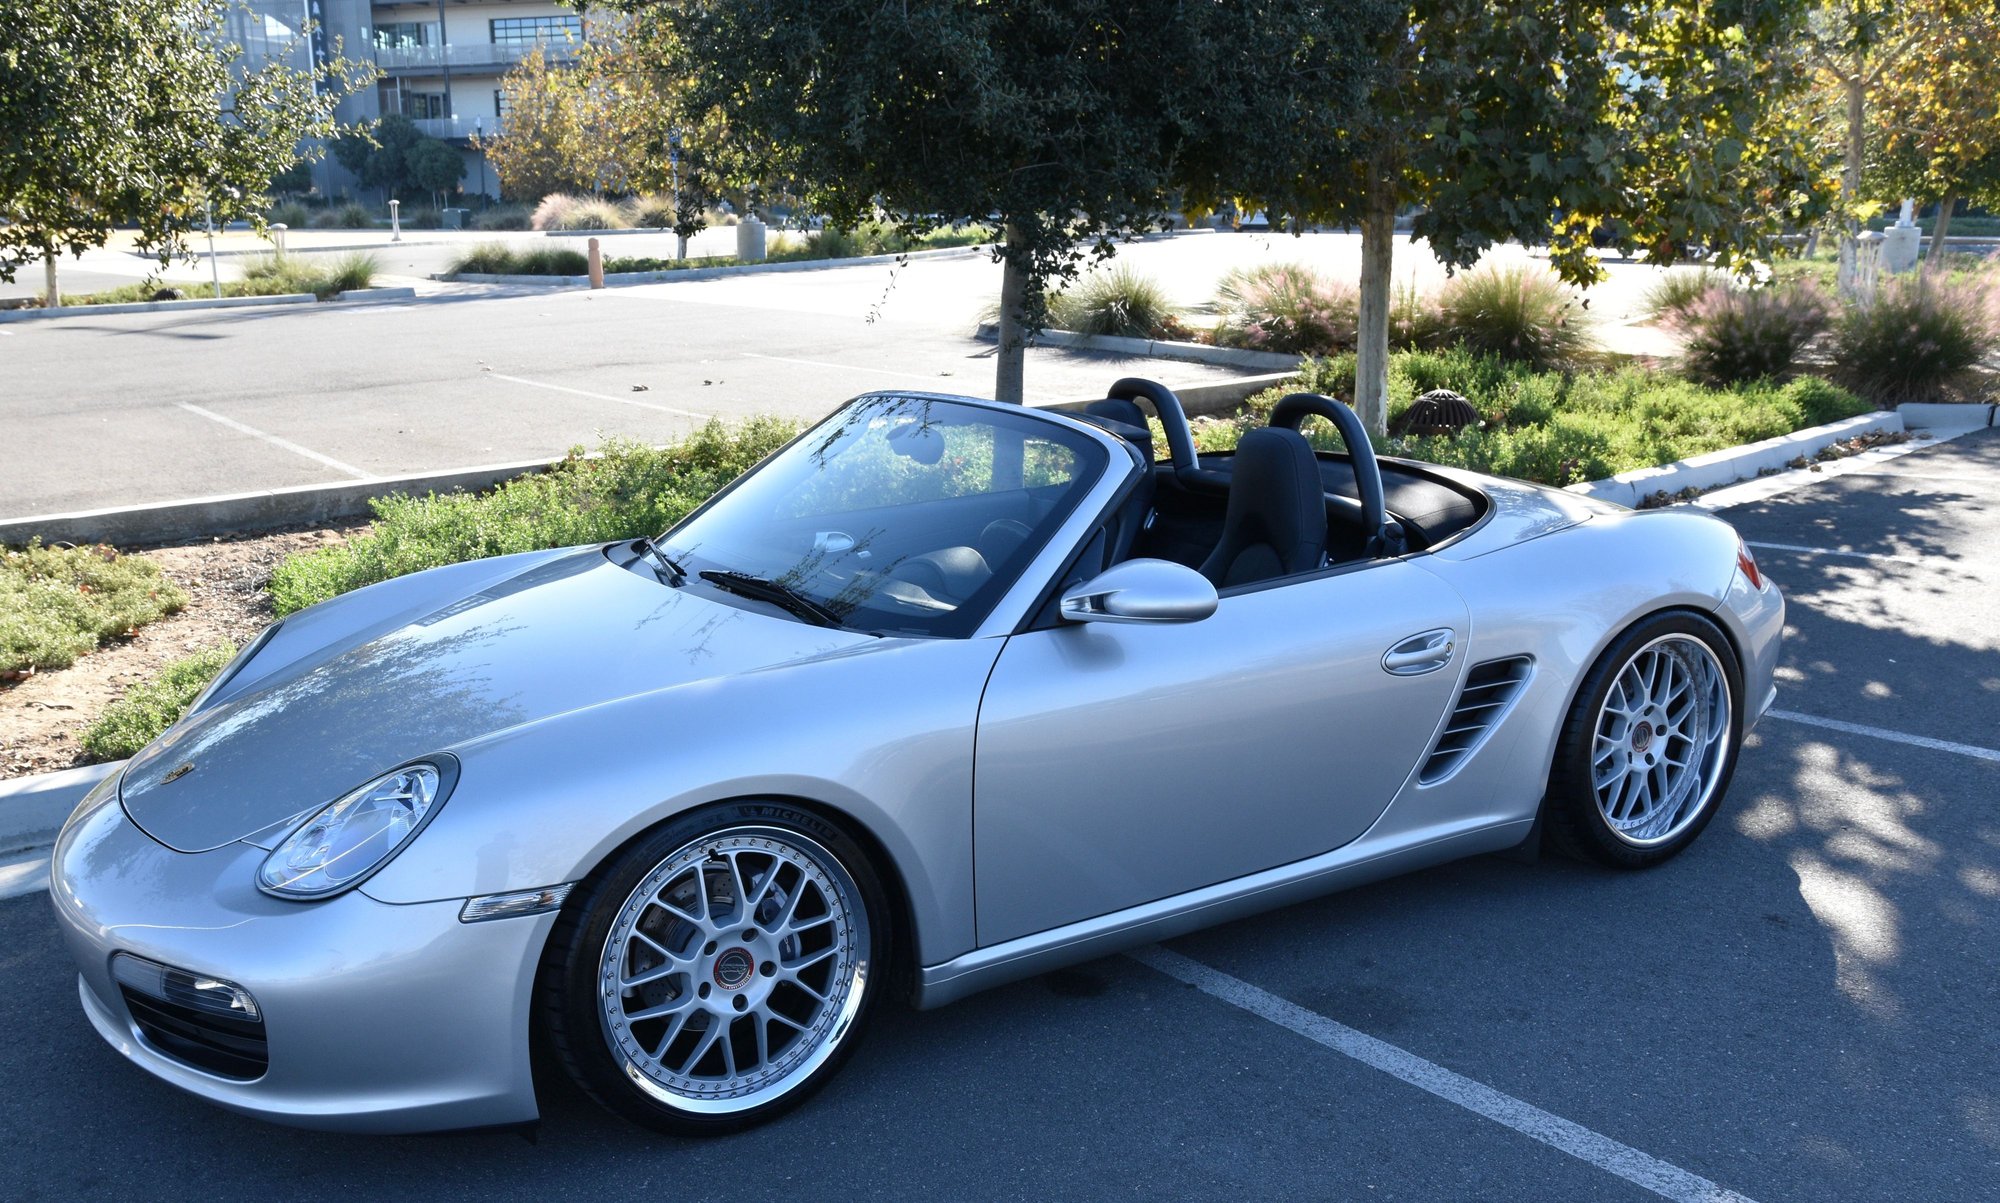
[[942, 694]]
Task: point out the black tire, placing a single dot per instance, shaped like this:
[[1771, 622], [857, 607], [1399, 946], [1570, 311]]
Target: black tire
[[1574, 812], [718, 847]]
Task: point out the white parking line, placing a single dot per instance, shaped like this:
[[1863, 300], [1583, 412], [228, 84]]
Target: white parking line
[[1668, 1181], [1920, 741], [844, 367], [26, 873], [1834, 551], [577, 392], [275, 441]]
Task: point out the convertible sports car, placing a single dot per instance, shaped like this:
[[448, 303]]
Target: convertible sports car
[[943, 694]]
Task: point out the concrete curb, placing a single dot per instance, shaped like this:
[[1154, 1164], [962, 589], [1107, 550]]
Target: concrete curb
[[614, 279], [32, 809], [29, 315], [1937, 416], [364, 295], [1733, 463], [264, 509], [1197, 400], [1228, 357]]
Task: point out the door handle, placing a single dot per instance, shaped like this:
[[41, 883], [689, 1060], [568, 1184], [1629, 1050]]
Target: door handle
[[1419, 654]]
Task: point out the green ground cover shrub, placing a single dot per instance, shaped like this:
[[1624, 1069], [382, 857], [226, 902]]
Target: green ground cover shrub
[[1558, 427], [343, 217], [1738, 334], [626, 491], [263, 276], [500, 259], [58, 603], [503, 217], [1919, 340], [1519, 312], [147, 709], [1287, 308], [1118, 301]]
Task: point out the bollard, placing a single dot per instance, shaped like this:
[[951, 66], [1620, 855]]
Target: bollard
[[596, 265], [750, 239], [278, 229], [395, 220]]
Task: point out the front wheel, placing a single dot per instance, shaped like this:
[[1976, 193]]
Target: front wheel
[[1649, 744], [716, 973]]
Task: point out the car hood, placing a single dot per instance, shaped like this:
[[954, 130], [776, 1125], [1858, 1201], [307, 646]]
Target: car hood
[[565, 633]]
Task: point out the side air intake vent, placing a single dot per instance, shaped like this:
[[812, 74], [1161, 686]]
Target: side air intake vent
[[1490, 690]]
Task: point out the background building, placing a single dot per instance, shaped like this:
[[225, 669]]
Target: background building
[[441, 61]]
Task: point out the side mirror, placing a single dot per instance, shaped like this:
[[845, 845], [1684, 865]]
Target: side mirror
[[1141, 591]]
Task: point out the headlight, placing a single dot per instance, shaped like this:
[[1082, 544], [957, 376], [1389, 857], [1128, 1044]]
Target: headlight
[[353, 836]]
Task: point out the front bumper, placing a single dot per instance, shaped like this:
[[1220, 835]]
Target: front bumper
[[378, 1018]]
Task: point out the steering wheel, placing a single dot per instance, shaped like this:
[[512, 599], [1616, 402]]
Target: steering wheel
[[1385, 538], [1180, 437]]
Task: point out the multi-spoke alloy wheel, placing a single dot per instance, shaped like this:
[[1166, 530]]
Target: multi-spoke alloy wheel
[[1662, 736], [728, 968], [1650, 744]]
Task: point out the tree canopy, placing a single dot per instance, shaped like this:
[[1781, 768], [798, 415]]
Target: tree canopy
[[1935, 115], [140, 112], [1547, 121], [392, 154], [1071, 122]]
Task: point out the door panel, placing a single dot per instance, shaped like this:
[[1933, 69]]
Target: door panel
[[1118, 764]]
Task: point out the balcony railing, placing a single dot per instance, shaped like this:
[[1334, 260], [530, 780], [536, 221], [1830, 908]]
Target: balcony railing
[[472, 56], [457, 127]]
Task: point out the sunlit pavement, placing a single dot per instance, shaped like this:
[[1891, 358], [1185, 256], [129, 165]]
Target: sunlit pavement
[[1800, 1008]]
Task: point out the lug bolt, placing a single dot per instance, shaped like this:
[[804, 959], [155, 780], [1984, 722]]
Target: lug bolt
[[742, 1003], [702, 990]]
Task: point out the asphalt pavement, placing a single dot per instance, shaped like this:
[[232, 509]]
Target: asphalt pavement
[[105, 410], [1799, 1008]]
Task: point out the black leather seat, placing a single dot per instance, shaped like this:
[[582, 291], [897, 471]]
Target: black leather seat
[[1126, 420], [1276, 521]]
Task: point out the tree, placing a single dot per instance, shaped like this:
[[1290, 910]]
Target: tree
[[1936, 116], [1072, 123], [434, 167], [560, 134], [385, 153], [139, 112], [1546, 120]]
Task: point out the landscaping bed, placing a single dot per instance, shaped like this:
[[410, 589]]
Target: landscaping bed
[[263, 276], [43, 716]]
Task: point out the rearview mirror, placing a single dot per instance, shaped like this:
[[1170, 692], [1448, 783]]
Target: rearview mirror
[[1141, 591]]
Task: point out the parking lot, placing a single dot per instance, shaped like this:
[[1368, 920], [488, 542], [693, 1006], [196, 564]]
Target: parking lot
[[1800, 1008]]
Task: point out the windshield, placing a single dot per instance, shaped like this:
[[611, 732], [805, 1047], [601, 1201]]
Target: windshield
[[904, 515]]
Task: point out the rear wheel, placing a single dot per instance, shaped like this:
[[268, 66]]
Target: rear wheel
[[717, 972], [1649, 745]]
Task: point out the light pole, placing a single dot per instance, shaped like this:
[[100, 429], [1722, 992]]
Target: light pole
[[674, 173], [479, 138]]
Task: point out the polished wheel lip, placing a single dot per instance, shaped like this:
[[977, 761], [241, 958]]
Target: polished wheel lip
[[825, 1029], [1660, 740]]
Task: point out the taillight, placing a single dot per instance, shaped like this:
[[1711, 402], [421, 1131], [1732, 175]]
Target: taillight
[[1748, 563]]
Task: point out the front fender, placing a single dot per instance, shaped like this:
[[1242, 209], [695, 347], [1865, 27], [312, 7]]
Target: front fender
[[882, 735]]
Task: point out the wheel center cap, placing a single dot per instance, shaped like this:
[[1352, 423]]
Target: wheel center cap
[[734, 967], [1642, 737]]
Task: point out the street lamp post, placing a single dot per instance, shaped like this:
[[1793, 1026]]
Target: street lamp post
[[479, 136]]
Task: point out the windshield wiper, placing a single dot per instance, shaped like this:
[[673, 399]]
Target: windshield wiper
[[781, 595], [675, 573]]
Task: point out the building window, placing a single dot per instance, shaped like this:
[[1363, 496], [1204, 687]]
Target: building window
[[406, 35], [420, 105], [526, 31], [501, 103]]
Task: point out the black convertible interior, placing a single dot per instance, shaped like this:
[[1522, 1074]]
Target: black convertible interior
[[1274, 506]]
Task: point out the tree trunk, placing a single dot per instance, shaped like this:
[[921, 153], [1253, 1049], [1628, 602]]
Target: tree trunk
[[1371, 351], [1934, 262], [54, 297], [1007, 368], [1850, 187]]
